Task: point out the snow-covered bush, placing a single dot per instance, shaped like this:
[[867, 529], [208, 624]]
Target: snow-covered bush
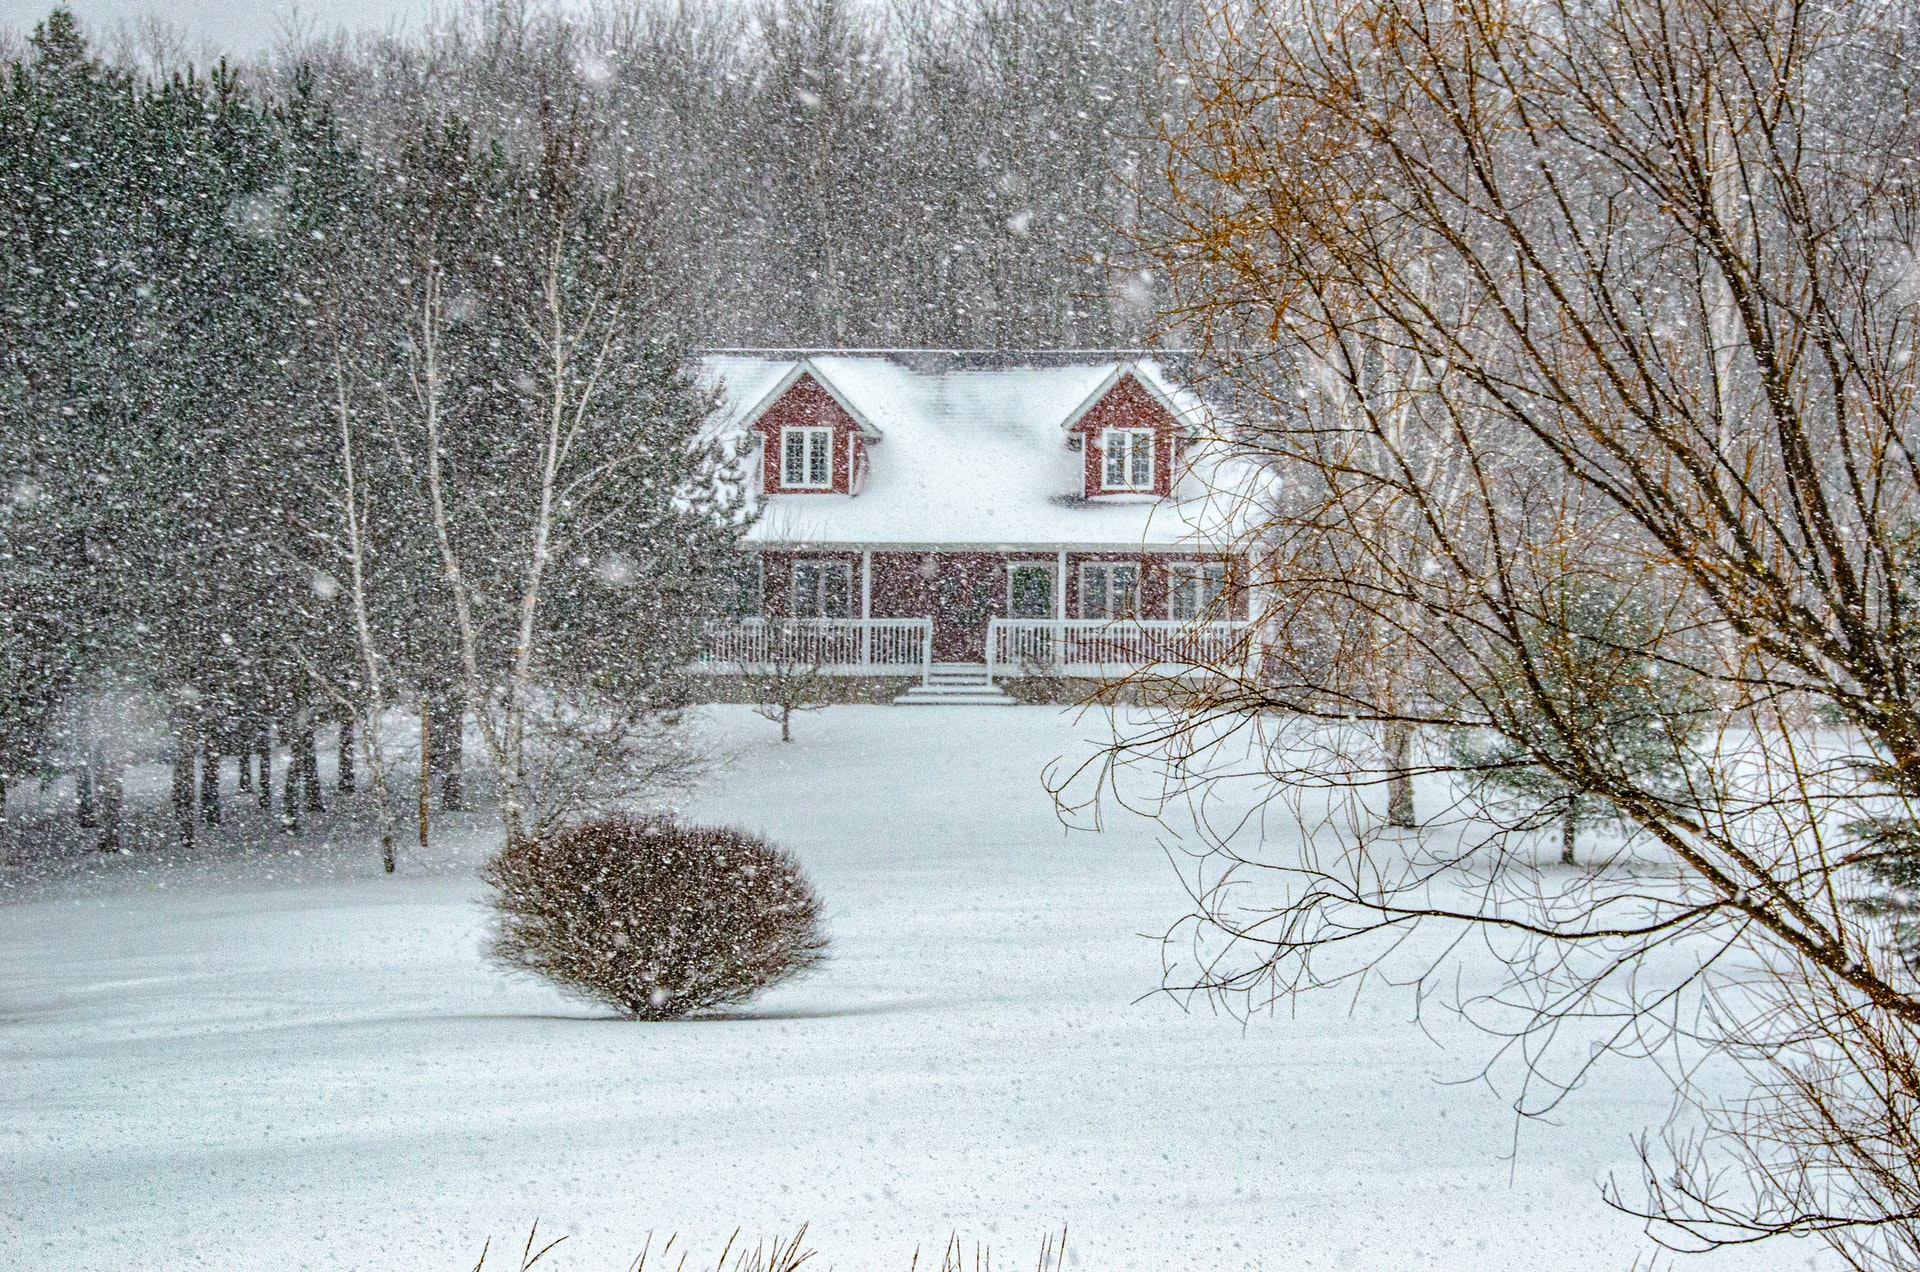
[[654, 916]]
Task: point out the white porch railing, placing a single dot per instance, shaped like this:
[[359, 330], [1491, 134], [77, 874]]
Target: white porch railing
[[842, 646], [1106, 647]]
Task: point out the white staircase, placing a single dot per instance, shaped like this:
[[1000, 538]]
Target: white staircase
[[955, 685]]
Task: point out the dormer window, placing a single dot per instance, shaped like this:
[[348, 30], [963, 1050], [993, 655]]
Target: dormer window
[[1129, 458], [806, 458]]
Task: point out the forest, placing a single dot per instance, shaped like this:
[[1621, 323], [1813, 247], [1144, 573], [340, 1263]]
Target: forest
[[281, 339]]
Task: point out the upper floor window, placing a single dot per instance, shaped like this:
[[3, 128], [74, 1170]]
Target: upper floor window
[[806, 457], [1196, 590], [1129, 458]]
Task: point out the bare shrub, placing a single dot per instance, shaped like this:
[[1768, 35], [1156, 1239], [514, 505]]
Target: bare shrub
[[659, 918]]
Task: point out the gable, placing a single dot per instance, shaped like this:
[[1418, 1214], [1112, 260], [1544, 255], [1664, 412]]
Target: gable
[[807, 403], [1127, 404]]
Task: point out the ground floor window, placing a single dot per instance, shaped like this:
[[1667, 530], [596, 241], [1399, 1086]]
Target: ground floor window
[[1196, 590], [738, 587], [822, 589], [1030, 590], [1109, 589]]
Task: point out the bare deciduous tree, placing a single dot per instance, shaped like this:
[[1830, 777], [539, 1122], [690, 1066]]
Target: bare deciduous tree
[[1528, 298], [549, 492], [791, 679]]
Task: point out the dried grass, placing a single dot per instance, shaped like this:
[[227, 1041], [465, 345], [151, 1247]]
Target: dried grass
[[778, 1255]]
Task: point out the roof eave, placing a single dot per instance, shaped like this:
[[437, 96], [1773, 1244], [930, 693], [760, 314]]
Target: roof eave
[[804, 367]]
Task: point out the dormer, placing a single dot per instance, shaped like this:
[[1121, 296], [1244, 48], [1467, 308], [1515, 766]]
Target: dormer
[[1130, 434], [813, 441]]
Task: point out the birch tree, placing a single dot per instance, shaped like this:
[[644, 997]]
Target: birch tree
[[574, 509]]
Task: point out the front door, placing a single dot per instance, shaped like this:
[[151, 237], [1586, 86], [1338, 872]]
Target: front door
[[964, 593]]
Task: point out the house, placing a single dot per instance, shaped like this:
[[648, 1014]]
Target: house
[[923, 511]]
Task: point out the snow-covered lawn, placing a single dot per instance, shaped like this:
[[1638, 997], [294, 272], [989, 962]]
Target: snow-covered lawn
[[287, 1061]]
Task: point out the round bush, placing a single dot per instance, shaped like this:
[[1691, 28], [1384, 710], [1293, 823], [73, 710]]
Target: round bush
[[656, 917]]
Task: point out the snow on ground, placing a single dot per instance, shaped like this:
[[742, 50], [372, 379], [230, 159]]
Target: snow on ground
[[252, 1058]]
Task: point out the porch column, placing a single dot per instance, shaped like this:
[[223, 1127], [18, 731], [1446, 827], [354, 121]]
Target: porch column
[[1060, 589], [866, 607], [1257, 600]]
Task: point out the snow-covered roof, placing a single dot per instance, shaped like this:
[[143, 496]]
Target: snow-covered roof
[[971, 456]]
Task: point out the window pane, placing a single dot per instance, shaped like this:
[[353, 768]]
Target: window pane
[[1116, 452], [1093, 591], [1142, 444], [1181, 598], [820, 458], [1032, 587], [793, 462], [739, 587], [837, 598], [1124, 590], [806, 589]]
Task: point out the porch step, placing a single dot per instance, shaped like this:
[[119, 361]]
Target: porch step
[[957, 685], [957, 674]]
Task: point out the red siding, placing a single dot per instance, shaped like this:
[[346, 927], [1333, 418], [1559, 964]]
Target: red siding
[[960, 591], [807, 404], [1128, 405]]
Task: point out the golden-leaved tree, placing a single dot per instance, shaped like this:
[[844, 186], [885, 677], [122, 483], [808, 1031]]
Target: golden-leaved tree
[[1525, 301]]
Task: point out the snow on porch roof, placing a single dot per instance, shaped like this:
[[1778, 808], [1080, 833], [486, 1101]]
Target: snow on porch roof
[[968, 456]]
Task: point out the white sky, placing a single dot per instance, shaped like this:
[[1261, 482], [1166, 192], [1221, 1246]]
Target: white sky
[[233, 26]]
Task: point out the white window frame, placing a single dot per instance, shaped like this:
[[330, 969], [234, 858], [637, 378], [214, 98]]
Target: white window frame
[[1120, 450], [815, 442], [1107, 571], [1199, 588], [822, 566]]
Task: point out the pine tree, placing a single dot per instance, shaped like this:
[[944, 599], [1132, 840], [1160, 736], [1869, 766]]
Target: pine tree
[[153, 239], [1601, 686]]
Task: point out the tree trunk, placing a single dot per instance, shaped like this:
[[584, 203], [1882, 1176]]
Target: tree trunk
[[310, 765], [263, 748], [210, 783], [786, 724], [83, 810], [344, 778], [183, 781], [244, 782], [113, 788], [1398, 745], [290, 788], [449, 748], [426, 767], [1569, 826]]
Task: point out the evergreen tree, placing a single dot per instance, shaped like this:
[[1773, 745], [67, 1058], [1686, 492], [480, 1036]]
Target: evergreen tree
[[153, 239], [1599, 683], [1890, 842]]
